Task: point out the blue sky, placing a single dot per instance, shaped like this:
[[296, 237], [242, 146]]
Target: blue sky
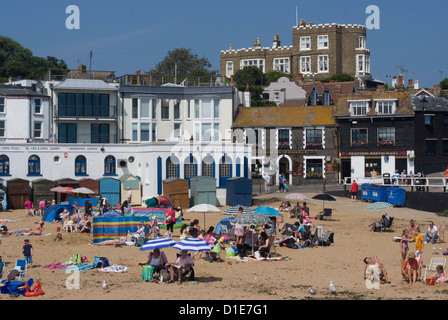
[[126, 36]]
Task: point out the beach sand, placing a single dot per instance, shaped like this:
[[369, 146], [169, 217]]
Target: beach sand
[[341, 262]]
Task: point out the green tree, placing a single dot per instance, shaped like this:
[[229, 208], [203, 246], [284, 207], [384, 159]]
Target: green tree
[[273, 76], [19, 62], [444, 84], [250, 75], [186, 63], [339, 77]]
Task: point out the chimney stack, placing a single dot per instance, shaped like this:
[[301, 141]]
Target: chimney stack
[[416, 85], [394, 82], [276, 43], [257, 43], [400, 79]]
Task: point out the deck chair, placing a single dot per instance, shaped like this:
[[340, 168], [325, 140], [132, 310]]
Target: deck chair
[[271, 247], [312, 242], [22, 264], [189, 273], [327, 213], [326, 239], [441, 233], [431, 268], [388, 226], [288, 232]]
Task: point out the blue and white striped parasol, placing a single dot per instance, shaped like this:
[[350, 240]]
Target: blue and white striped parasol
[[235, 209], [193, 244], [158, 243]]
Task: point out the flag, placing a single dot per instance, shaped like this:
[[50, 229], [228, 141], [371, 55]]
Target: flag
[[51, 136]]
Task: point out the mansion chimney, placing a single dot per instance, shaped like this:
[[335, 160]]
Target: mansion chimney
[[276, 43]]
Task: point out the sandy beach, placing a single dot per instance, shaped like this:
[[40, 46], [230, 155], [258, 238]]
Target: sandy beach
[[288, 279]]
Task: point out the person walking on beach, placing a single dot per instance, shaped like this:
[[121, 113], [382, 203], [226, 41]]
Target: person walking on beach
[[354, 190], [404, 247], [27, 252]]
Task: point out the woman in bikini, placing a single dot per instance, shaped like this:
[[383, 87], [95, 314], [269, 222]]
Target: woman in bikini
[[30, 232]]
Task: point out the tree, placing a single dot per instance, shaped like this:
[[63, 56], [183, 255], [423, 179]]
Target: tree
[[273, 76], [444, 84], [19, 62], [339, 77], [251, 75], [186, 63]]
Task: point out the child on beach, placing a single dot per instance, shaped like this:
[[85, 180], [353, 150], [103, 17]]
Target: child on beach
[[404, 248], [28, 252], [440, 275]]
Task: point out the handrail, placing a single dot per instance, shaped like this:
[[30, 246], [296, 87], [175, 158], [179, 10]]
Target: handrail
[[408, 182]]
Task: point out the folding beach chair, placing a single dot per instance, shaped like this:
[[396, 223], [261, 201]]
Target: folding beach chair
[[327, 213], [22, 264], [389, 224], [432, 267], [271, 246], [441, 233]]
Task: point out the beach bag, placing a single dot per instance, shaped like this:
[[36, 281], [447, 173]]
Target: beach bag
[[147, 273], [76, 259], [257, 254], [287, 242], [230, 252], [101, 262], [164, 275]]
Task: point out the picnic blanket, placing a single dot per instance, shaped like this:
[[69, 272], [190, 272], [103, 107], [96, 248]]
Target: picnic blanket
[[65, 266], [252, 259]]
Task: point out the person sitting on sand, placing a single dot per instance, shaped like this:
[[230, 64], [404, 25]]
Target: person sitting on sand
[[410, 269], [377, 269], [112, 242], [440, 275], [377, 225]]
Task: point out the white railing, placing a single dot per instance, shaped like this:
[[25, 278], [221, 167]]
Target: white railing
[[419, 183]]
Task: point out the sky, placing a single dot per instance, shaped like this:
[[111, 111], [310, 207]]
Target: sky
[[127, 36]]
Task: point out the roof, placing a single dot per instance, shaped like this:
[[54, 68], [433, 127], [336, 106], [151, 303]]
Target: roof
[[284, 116], [16, 91], [334, 87], [83, 84], [430, 103], [404, 107]]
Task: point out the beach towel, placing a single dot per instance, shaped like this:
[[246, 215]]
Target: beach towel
[[147, 272], [114, 268]]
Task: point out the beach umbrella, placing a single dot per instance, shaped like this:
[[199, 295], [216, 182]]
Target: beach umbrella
[[249, 219], [193, 244], [234, 210], [297, 196], [158, 243], [324, 197], [83, 190], [377, 206], [268, 211], [204, 207], [61, 189]]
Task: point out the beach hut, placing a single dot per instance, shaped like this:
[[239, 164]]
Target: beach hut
[[176, 190], [203, 190], [18, 191], [239, 192], [132, 182], [110, 189], [41, 191], [91, 184]]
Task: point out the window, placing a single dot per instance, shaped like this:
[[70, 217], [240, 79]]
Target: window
[[314, 168], [154, 132], [165, 109], [283, 139], [361, 42], [2, 128], [135, 132], [323, 63], [154, 108], [37, 106], [216, 108], [109, 166], [177, 110], [144, 131], [314, 139], [445, 121], [359, 137], [372, 165], [362, 63], [84, 104], [386, 136], [359, 108], [99, 133], [326, 98], [305, 65], [34, 166], [252, 62], [206, 109], [445, 147], [2, 105], [144, 108], [67, 133], [431, 147], [305, 43], [322, 42], [385, 107], [80, 166], [281, 64], [229, 69], [190, 168], [277, 96], [428, 119], [177, 133], [37, 132], [172, 168], [4, 165], [207, 169], [206, 133]]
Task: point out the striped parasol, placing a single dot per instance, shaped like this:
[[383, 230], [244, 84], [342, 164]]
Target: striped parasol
[[158, 243], [234, 210], [193, 244], [377, 206], [249, 219]]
